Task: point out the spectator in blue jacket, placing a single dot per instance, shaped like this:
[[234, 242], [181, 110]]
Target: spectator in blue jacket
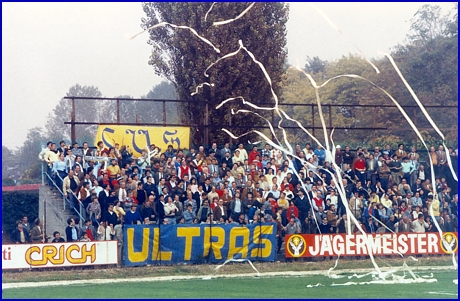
[[133, 216], [321, 154]]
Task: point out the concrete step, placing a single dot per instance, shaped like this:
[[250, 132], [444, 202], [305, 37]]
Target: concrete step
[[56, 216]]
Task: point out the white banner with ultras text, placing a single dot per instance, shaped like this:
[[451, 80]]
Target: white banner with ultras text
[[53, 255]]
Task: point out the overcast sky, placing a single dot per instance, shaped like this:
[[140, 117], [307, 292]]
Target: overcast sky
[[49, 47]]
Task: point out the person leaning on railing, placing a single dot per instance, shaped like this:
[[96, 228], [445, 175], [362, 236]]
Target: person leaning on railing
[[70, 187]]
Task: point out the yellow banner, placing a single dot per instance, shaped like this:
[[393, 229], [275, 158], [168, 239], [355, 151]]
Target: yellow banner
[[139, 137]]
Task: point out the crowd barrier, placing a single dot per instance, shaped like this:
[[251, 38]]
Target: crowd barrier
[[173, 244], [154, 244], [56, 255]]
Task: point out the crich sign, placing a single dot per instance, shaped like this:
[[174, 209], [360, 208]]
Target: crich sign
[[312, 245], [150, 244], [22, 256]]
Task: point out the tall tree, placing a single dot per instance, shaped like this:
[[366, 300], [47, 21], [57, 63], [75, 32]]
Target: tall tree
[[27, 155], [315, 65], [182, 58], [85, 110], [10, 168], [153, 111], [428, 24]]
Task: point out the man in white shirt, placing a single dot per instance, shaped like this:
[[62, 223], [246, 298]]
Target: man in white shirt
[[419, 225]]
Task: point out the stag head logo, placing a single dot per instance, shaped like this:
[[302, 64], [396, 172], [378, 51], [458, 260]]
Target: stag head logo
[[296, 245]]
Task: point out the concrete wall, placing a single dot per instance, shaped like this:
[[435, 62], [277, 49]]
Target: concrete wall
[[56, 216]]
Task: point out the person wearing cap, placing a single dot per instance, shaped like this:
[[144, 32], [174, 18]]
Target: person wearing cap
[[338, 156]]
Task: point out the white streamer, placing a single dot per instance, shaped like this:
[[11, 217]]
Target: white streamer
[[316, 285], [206, 16], [201, 86], [231, 20], [237, 260], [182, 27]]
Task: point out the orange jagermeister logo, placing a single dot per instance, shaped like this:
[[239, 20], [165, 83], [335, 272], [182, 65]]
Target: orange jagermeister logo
[[449, 243], [296, 245]]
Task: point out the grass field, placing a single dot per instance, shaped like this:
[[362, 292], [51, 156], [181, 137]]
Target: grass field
[[260, 288]]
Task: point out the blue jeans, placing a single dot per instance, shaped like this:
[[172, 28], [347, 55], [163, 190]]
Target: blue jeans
[[384, 183], [73, 202]]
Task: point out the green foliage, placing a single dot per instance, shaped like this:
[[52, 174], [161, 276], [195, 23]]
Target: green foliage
[[429, 64], [315, 65], [182, 58], [17, 204], [428, 24], [10, 163], [84, 111], [8, 182], [154, 111]]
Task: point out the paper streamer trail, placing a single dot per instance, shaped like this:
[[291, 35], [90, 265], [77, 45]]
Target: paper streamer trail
[[182, 27], [330, 153], [239, 16], [237, 260], [200, 87]]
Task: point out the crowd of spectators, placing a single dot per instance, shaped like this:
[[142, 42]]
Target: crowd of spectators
[[385, 189]]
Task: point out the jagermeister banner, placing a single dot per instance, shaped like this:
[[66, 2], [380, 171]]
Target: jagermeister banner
[[139, 137], [153, 244]]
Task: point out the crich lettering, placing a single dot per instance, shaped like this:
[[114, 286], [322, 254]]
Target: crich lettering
[[75, 254]]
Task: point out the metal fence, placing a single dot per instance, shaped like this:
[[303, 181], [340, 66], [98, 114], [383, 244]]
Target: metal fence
[[365, 129]]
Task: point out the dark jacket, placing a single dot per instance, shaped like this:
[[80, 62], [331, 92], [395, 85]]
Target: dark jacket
[[110, 218], [68, 234], [302, 204], [16, 236]]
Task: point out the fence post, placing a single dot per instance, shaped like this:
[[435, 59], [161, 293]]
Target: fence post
[[118, 111], [330, 116], [230, 123], [164, 113], [73, 135], [375, 131], [313, 119], [206, 123], [81, 214], [415, 123]]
